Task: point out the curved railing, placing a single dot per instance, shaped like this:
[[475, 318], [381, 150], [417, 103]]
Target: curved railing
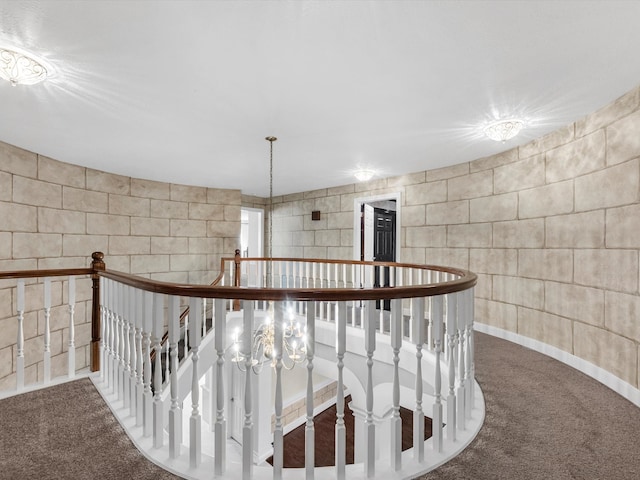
[[393, 333]]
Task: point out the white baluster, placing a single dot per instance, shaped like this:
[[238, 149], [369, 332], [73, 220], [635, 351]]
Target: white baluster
[[106, 365], [119, 365], [133, 352], [147, 327], [341, 432], [460, 393], [322, 303], [370, 428], [469, 365], [114, 361], [309, 429], [47, 330], [247, 429], [436, 331], [175, 413], [139, 390], [221, 424], [429, 316], [195, 421], [126, 351], [204, 317], [71, 354], [419, 334], [452, 321], [278, 446], [167, 362], [20, 339], [396, 421], [110, 352], [158, 331]]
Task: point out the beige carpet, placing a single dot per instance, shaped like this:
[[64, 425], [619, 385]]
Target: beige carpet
[[544, 420], [68, 432]]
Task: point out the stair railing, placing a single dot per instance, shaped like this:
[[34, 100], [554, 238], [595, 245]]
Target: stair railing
[[430, 314]]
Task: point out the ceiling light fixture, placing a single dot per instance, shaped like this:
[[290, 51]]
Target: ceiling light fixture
[[364, 174], [21, 68], [503, 130]]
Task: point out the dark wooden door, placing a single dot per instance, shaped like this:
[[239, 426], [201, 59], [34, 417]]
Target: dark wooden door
[[384, 247]]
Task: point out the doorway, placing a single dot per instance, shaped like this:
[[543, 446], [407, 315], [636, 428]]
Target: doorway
[[376, 234], [366, 228], [251, 244]]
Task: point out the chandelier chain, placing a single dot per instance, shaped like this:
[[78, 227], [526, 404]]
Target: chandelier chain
[[270, 248]]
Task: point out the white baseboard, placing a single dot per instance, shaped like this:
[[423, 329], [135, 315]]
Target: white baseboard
[[616, 384]]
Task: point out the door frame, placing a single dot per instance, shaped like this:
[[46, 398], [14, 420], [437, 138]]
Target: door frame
[[357, 206]]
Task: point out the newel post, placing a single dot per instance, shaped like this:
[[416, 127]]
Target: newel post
[[97, 264], [236, 278]]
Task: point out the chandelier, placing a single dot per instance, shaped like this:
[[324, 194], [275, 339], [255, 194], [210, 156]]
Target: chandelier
[[263, 344], [20, 68], [503, 130], [264, 348]]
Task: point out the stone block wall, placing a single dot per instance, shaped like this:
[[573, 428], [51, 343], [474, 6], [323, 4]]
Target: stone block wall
[[552, 228], [55, 214]]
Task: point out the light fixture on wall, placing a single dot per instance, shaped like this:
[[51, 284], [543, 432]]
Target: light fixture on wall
[[364, 174], [21, 68], [503, 130]]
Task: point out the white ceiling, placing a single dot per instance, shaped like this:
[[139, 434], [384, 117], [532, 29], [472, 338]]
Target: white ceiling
[[186, 91]]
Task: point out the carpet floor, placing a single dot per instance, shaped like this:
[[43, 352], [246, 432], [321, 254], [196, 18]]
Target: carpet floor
[[544, 420]]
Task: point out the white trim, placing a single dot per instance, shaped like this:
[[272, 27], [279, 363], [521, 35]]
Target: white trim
[[84, 373], [616, 384], [357, 203]]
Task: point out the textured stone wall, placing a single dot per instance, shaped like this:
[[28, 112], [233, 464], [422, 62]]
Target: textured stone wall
[[552, 228], [54, 214]]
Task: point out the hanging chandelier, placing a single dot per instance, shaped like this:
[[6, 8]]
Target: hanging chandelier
[[503, 130], [21, 68], [263, 344]]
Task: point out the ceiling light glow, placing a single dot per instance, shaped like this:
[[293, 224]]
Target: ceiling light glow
[[364, 174], [503, 130], [21, 68]]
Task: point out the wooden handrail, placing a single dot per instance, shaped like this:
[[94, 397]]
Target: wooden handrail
[[467, 280], [58, 272], [236, 292]]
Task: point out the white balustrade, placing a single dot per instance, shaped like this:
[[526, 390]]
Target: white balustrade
[[420, 341], [195, 422], [419, 337], [341, 432], [436, 320], [451, 324], [158, 332], [247, 429], [309, 429], [20, 339], [175, 414], [147, 328], [370, 428], [47, 330], [71, 303], [396, 421], [139, 386]]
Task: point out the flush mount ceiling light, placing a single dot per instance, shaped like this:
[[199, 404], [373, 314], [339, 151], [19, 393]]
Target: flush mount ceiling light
[[21, 68], [503, 130], [364, 174]]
